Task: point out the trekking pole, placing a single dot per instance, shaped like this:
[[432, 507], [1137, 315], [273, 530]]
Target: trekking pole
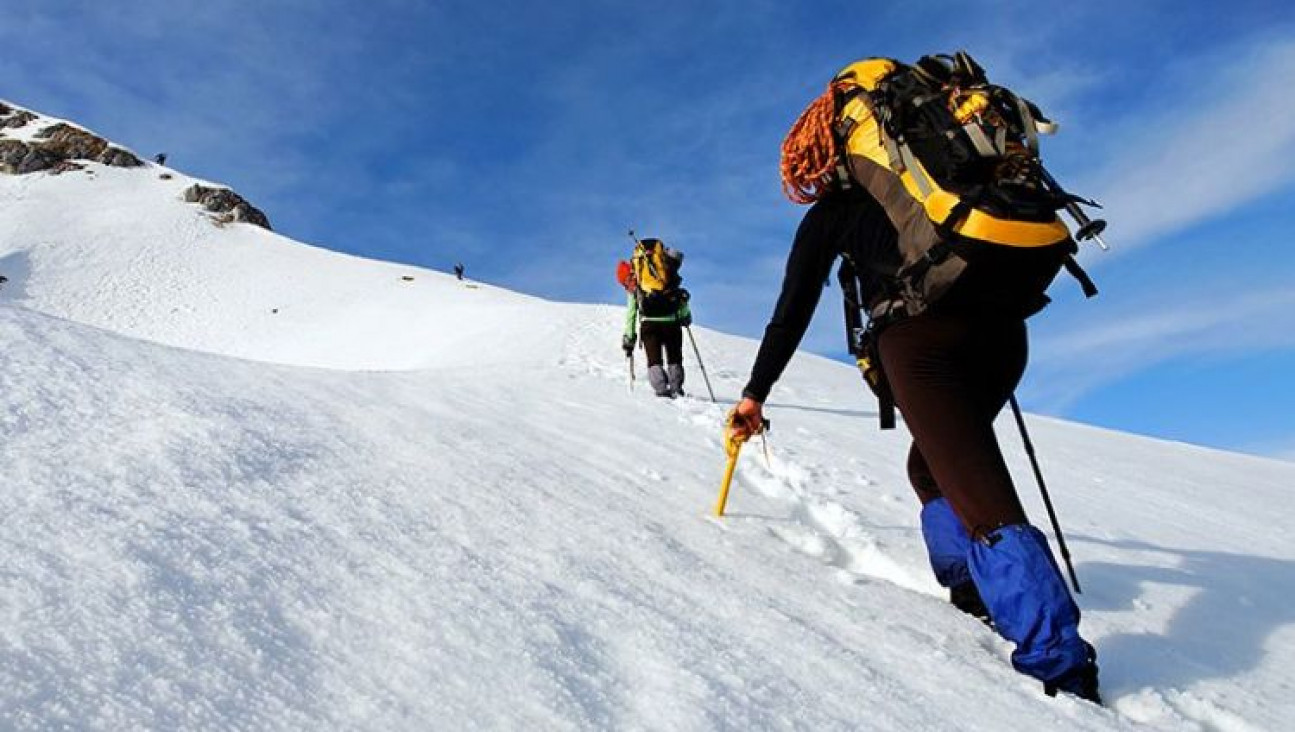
[[700, 365], [1047, 500], [630, 358]]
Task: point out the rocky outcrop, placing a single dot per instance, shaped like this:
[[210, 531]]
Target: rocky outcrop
[[15, 118], [19, 158], [74, 143], [55, 146], [226, 204]]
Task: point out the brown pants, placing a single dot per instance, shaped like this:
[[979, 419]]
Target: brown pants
[[951, 374]]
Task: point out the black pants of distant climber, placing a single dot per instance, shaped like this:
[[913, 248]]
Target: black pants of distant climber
[[667, 337], [952, 373]]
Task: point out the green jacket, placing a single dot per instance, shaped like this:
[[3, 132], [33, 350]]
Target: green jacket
[[632, 315]]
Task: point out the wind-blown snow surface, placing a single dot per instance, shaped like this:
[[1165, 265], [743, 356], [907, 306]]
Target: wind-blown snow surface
[[468, 521]]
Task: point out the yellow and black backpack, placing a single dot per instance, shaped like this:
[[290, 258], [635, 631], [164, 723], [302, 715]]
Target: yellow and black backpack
[[954, 161], [656, 271], [652, 268]]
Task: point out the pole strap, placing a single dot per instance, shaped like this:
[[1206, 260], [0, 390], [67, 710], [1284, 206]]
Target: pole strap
[[1085, 282]]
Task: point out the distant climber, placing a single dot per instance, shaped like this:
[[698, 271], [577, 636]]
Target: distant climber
[[458, 270], [160, 158], [657, 310]]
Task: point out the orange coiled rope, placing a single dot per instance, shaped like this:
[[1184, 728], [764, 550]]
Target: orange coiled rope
[[810, 151]]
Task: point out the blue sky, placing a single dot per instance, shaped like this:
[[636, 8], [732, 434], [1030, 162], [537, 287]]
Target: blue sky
[[524, 139]]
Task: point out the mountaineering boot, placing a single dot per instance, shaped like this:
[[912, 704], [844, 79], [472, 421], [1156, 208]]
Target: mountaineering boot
[[1082, 682], [1031, 606], [675, 372], [657, 378], [966, 598]]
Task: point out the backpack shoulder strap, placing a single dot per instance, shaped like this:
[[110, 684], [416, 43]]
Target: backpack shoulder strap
[[862, 341]]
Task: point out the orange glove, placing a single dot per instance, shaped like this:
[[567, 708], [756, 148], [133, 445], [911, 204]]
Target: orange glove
[[746, 419]]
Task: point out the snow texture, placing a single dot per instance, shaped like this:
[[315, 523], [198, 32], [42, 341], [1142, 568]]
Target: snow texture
[[254, 485]]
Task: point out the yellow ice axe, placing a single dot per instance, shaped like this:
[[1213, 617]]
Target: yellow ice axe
[[733, 446]]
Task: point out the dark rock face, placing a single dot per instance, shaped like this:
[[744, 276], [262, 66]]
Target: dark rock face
[[19, 158], [66, 166], [13, 119], [119, 158], [228, 205], [71, 143], [68, 142], [53, 145]]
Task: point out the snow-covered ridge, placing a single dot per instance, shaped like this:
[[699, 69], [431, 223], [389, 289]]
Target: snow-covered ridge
[[121, 249], [30, 143]]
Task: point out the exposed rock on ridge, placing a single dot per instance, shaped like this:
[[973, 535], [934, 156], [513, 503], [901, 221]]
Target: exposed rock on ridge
[[19, 158], [58, 143], [227, 204], [72, 143]]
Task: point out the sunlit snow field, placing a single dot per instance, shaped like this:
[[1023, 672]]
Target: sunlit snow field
[[252, 484]]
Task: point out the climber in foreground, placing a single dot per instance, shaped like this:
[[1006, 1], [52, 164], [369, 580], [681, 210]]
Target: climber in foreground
[[657, 311], [925, 180]]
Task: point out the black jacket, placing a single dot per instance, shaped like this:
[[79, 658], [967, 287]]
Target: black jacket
[[846, 222]]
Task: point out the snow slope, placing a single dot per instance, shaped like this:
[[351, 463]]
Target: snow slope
[[467, 521], [117, 248]]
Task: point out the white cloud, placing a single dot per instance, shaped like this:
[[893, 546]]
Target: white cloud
[[1231, 140], [1067, 366]]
